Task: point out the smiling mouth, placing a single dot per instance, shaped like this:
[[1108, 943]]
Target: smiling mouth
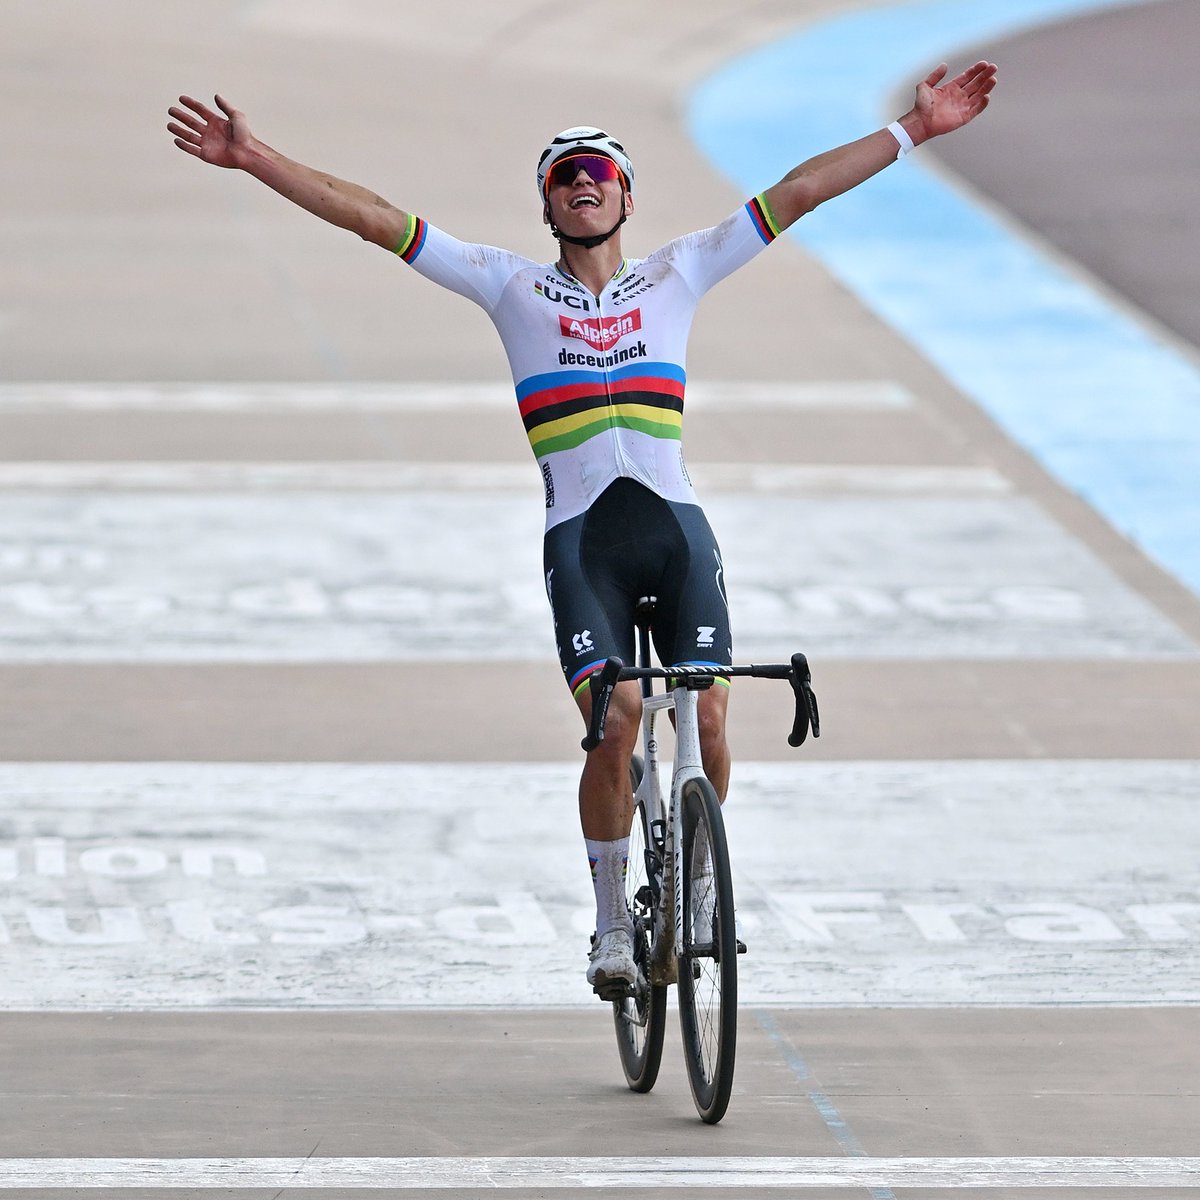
[[584, 201]]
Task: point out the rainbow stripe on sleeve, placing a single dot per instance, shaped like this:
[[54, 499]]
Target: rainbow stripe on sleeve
[[763, 218], [413, 239]]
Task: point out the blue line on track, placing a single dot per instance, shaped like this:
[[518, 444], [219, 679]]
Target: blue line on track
[[1110, 407], [828, 1111]]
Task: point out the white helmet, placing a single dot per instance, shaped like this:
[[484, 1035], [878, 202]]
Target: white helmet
[[583, 138]]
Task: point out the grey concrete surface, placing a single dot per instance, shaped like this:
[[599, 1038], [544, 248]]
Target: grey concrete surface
[[911, 1082], [125, 261], [898, 708], [916, 1082]]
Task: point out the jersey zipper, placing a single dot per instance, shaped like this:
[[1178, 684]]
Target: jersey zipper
[[619, 456]]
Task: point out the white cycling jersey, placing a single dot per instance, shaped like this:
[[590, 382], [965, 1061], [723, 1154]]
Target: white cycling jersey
[[600, 380]]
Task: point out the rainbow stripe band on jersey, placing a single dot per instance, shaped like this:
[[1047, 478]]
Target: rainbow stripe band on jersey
[[413, 239], [764, 219], [567, 408]]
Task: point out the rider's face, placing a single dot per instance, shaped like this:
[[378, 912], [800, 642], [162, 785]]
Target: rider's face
[[581, 205]]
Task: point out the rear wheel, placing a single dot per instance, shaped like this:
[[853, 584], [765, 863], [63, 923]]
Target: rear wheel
[[641, 1018], [708, 965]]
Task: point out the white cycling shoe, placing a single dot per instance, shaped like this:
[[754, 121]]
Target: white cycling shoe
[[611, 969]]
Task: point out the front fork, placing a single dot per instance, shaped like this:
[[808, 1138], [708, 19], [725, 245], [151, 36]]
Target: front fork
[[664, 964]]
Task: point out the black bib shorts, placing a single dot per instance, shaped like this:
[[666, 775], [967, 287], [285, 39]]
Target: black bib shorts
[[632, 543]]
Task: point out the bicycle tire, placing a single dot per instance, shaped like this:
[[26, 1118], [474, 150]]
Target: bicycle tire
[[708, 964], [641, 1019]]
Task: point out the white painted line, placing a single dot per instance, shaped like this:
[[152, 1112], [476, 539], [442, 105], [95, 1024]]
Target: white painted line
[[565, 1173], [470, 477], [169, 476], [171, 886], [771, 477], [850, 395], [255, 397]]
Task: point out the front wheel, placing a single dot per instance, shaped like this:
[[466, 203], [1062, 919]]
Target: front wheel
[[708, 965], [641, 1018]]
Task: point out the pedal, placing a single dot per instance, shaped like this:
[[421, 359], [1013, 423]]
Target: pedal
[[614, 991], [741, 946]]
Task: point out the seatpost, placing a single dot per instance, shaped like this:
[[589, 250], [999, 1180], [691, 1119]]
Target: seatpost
[[643, 616]]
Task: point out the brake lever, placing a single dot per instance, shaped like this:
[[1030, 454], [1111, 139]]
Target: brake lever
[[807, 714], [601, 684]]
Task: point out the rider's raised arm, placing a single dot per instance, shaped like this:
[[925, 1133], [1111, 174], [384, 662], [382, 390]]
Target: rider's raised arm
[[224, 140], [936, 110]]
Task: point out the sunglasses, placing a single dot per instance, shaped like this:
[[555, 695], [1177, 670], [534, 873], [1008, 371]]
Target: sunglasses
[[598, 168]]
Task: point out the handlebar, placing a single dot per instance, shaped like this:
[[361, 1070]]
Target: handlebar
[[797, 673]]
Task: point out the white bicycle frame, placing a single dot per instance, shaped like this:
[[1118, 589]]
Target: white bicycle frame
[[687, 766]]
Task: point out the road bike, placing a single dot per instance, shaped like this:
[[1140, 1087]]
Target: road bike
[[679, 888]]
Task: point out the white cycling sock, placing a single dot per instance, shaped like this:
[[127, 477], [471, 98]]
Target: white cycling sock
[[610, 864]]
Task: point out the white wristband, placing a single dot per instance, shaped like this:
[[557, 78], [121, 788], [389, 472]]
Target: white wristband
[[901, 135]]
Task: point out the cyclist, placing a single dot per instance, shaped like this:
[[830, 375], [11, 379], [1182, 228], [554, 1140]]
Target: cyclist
[[596, 343]]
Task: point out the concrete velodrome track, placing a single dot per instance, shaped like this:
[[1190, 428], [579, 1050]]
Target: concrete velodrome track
[[293, 901]]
